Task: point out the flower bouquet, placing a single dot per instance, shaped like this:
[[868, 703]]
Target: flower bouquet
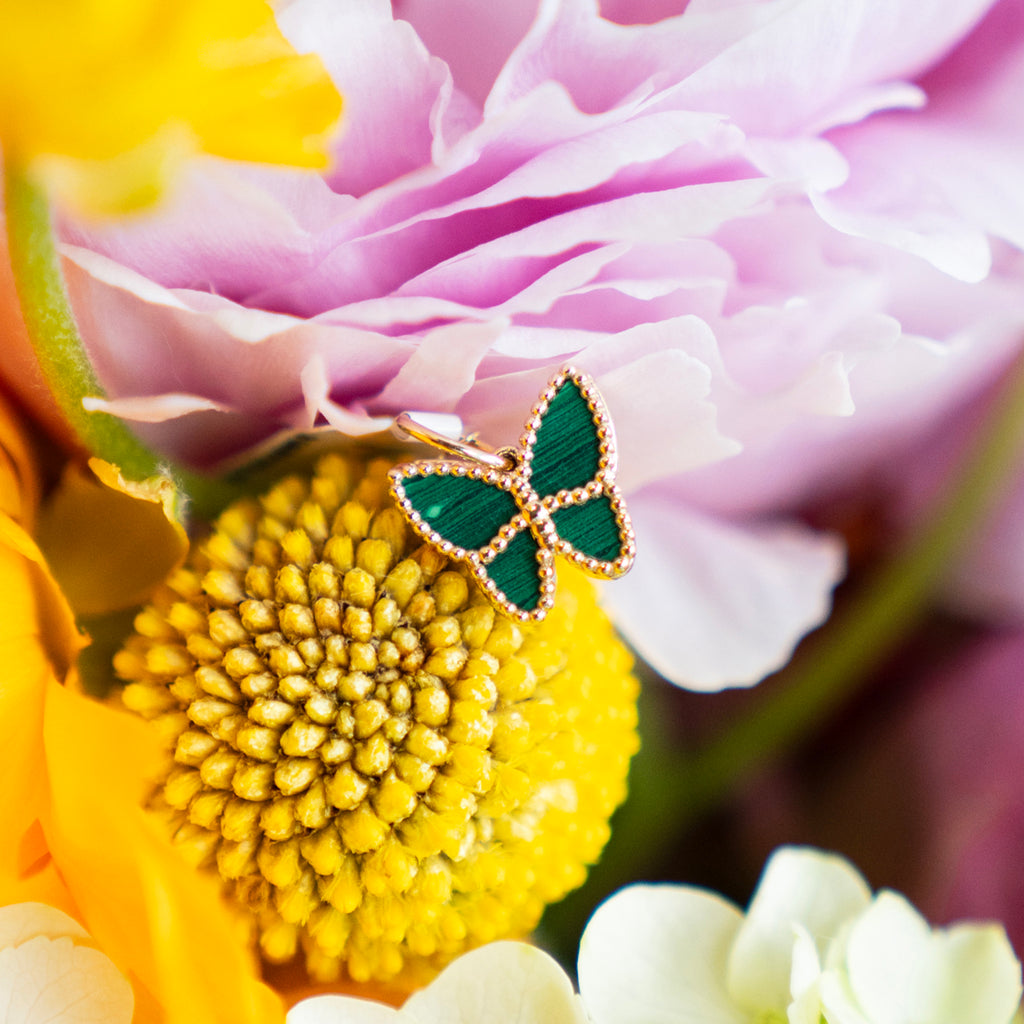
[[343, 342]]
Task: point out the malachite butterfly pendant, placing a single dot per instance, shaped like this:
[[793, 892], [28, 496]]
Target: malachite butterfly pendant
[[508, 516]]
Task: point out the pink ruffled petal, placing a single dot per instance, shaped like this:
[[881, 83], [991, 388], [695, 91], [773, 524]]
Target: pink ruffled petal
[[710, 604], [391, 84], [442, 368], [934, 189], [799, 69], [474, 39], [226, 228], [637, 61]]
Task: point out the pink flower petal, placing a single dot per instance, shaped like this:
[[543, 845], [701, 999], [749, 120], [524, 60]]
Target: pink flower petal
[[800, 68], [474, 39], [442, 368], [710, 604], [391, 85]]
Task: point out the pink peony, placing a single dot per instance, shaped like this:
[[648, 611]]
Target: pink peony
[[784, 236]]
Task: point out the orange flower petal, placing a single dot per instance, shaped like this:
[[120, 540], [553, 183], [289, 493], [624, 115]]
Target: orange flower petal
[[19, 490], [110, 541], [22, 686], [42, 886], [33, 611], [160, 920]]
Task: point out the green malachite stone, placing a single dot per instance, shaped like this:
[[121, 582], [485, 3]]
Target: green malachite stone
[[516, 571], [590, 528], [462, 510], [567, 453]]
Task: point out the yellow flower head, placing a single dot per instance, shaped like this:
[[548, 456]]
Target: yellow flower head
[[383, 769], [105, 97]]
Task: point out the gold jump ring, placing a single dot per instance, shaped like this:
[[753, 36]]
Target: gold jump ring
[[404, 424]]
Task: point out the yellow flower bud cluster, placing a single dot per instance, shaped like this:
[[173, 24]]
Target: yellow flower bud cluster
[[382, 768]]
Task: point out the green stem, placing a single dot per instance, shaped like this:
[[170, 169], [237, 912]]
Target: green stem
[[54, 334], [65, 365], [861, 634]]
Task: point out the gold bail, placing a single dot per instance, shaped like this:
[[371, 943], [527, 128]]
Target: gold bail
[[405, 426]]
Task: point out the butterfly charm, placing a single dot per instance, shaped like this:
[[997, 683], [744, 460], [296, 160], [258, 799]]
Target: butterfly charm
[[507, 517]]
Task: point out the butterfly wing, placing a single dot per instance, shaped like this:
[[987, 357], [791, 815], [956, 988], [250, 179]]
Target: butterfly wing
[[563, 437], [569, 464], [459, 508], [520, 578], [470, 513]]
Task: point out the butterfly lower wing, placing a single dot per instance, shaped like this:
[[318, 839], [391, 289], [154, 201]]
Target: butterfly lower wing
[[458, 508], [520, 578], [595, 533]]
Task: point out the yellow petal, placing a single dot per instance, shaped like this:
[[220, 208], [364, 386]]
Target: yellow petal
[[37, 639], [158, 919], [110, 541], [87, 80], [22, 686], [33, 876], [19, 491], [34, 614]]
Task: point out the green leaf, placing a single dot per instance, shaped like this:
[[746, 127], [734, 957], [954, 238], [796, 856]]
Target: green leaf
[[465, 511], [567, 451]]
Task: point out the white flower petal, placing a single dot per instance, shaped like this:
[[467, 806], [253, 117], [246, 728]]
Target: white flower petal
[[500, 983], [893, 969], [20, 922], [985, 975], [45, 980], [800, 886], [656, 954], [805, 979], [342, 1010]]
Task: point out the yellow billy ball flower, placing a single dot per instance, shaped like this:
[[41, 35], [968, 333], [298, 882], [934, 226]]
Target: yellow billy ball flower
[[104, 97], [383, 769]]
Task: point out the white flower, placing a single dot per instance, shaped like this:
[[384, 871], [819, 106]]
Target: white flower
[[501, 983], [889, 967], [671, 954], [49, 971]]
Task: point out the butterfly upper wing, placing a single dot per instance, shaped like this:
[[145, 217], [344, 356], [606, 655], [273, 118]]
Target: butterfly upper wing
[[570, 465], [566, 451], [459, 508]]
